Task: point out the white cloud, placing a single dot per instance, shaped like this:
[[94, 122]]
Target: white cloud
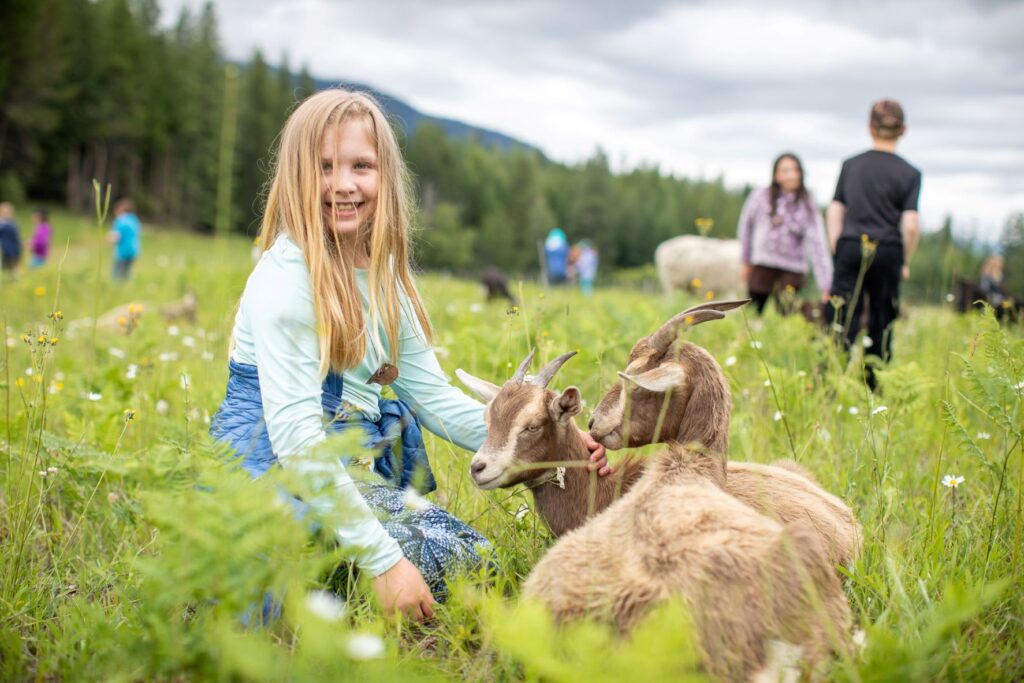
[[697, 88]]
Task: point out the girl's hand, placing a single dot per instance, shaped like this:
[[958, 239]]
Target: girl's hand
[[745, 272], [402, 589], [598, 458]]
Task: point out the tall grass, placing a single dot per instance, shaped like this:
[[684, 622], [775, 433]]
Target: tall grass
[[131, 549]]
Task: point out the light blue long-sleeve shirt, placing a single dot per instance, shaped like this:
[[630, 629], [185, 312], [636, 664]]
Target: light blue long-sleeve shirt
[[275, 330]]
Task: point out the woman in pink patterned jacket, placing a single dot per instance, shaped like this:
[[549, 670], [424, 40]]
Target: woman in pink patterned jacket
[[781, 231]]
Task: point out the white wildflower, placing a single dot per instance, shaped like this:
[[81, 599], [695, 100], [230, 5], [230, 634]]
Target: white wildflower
[[854, 410], [132, 372], [42, 473], [162, 407], [173, 330], [950, 298], [12, 342], [185, 381], [860, 637], [476, 308], [116, 352], [93, 396], [951, 481], [112, 497], [523, 510], [365, 646], [29, 371], [325, 605], [168, 356], [59, 376], [839, 408], [757, 344], [777, 416], [837, 327], [206, 355], [52, 470], [984, 436], [879, 409], [188, 341], [413, 500], [867, 341], [730, 361], [801, 373], [767, 382]]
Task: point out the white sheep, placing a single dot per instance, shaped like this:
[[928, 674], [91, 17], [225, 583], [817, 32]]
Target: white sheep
[[714, 262]]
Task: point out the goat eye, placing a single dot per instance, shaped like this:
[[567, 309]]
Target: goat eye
[[533, 428]]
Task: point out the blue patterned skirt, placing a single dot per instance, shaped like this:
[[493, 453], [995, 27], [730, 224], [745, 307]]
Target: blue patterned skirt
[[437, 542]]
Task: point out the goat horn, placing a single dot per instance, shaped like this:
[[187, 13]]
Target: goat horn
[[712, 310], [544, 376], [523, 367]]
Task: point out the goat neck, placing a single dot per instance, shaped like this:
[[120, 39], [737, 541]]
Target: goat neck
[[699, 411], [567, 503]]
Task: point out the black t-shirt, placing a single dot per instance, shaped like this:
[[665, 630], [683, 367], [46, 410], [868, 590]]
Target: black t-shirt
[[876, 188]]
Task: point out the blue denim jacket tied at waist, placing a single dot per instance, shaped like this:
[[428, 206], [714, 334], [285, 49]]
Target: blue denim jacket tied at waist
[[239, 423]]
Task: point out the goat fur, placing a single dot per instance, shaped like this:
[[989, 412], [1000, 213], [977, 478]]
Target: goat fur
[[747, 580]]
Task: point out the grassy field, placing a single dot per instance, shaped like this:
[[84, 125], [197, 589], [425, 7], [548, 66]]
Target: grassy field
[[129, 551]]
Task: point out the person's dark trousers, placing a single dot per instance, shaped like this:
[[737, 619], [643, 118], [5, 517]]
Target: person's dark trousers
[[881, 286]]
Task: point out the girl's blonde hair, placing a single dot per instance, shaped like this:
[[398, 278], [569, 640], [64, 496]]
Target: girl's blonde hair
[[294, 207]]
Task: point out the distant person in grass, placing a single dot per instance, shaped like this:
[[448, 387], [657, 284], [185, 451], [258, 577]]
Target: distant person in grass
[[329, 315], [586, 266], [780, 232], [126, 236], [873, 226], [10, 239], [41, 238]]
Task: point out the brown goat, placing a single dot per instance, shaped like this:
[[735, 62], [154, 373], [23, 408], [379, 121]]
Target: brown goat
[[748, 582], [533, 440], [681, 385]]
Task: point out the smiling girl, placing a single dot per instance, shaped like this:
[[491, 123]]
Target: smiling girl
[[330, 314]]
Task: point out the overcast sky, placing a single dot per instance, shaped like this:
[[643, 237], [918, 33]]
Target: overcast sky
[[698, 88]]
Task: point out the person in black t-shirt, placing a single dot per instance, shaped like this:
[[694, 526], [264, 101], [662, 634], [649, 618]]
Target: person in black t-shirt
[[873, 226]]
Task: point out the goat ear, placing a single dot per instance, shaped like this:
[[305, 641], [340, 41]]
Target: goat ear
[[480, 387], [659, 379], [566, 404]]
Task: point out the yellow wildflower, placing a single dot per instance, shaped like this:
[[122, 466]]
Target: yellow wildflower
[[710, 295], [53, 341], [20, 382], [41, 339], [40, 291], [696, 283], [57, 315]]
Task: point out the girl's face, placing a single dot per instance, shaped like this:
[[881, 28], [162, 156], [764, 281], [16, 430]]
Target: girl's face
[[351, 177], [787, 175]]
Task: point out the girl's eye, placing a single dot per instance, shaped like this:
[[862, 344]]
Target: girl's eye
[[364, 165], [325, 167]]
